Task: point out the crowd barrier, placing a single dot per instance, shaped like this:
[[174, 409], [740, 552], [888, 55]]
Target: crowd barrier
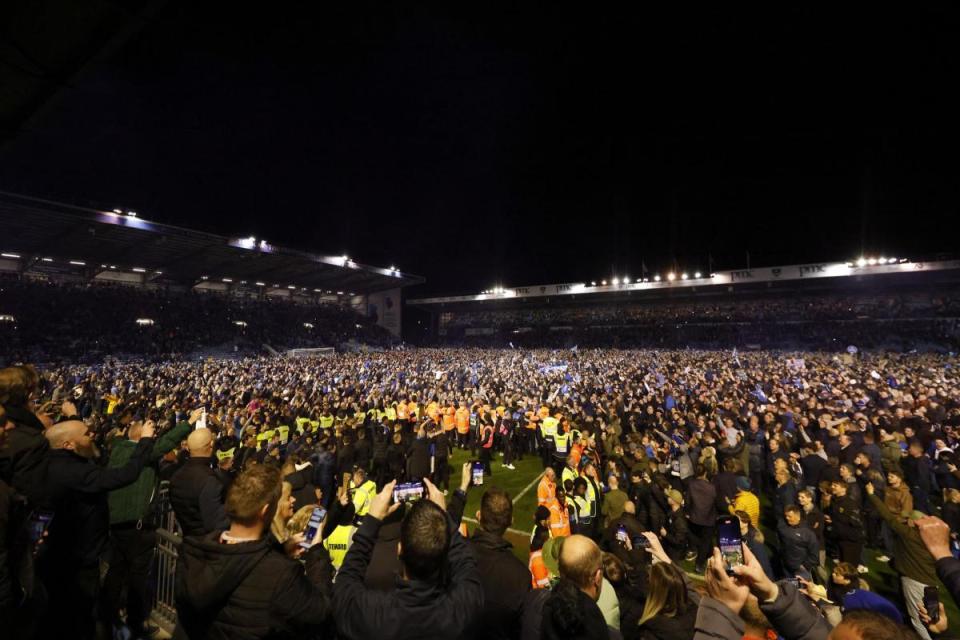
[[164, 612]]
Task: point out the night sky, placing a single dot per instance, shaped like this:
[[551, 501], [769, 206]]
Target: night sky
[[480, 146]]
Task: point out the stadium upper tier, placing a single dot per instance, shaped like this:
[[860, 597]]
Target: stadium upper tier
[[44, 237], [44, 322]]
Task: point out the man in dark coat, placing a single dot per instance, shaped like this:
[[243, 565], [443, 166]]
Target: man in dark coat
[[196, 492], [240, 583], [439, 593], [77, 493]]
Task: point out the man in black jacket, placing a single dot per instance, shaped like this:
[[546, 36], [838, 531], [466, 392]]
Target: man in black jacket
[[505, 579], [240, 583], [23, 458], [799, 547], [77, 493], [439, 594], [195, 491]]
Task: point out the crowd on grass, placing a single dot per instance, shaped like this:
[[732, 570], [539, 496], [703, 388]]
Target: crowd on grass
[[290, 482]]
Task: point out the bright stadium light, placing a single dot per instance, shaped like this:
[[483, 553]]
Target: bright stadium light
[[78, 263], [138, 270], [616, 281], [260, 284], [131, 214], [603, 282], [849, 264], [10, 255], [891, 261], [307, 325], [684, 276], [144, 322], [882, 261], [626, 280], [872, 261], [117, 211], [656, 278], [204, 277], [671, 276], [290, 286], [862, 262], [240, 323], [227, 280], [696, 275], [47, 259], [593, 283], [339, 293]]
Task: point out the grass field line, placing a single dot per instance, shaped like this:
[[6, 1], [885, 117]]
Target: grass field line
[[528, 487], [515, 532]]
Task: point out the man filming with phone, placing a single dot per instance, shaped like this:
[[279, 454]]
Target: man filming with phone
[[438, 593]]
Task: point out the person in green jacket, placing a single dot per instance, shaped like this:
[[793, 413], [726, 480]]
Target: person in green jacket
[[132, 533]]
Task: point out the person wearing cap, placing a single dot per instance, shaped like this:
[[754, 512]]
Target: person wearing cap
[[745, 501], [911, 559], [676, 530]]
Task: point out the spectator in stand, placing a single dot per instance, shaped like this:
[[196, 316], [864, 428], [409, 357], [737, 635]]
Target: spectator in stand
[[195, 491], [77, 489], [423, 604], [241, 583]]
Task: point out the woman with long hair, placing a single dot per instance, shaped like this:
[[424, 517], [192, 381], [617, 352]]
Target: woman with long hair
[[670, 611]]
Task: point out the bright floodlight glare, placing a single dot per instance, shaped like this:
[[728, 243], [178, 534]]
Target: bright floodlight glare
[[849, 264], [882, 261], [603, 282], [139, 270], [10, 255], [260, 284], [78, 263], [47, 259], [892, 261], [227, 280], [616, 281], [671, 277], [656, 278], [117, 211], [684, 276], [872, 261], [308, 325], [131, 214], [696, 275], [862, 262], [593, 283]]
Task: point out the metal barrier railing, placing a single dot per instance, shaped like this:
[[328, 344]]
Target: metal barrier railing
[[164, 609], [164, 613]]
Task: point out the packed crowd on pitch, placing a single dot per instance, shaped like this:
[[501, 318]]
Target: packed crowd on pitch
[[684, 494]]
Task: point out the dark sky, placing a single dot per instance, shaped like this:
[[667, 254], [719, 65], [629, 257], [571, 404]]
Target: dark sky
[[520, 146]]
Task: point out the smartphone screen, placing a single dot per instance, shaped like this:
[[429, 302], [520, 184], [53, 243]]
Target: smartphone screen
[[931, 602], [622, 535], [39, 523], [408, 492], [477, 473], [316, 518], [202, 422], [728, 539]]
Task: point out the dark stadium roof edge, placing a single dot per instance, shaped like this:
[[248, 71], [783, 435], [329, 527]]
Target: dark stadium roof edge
[[46, 236], [821, 275]]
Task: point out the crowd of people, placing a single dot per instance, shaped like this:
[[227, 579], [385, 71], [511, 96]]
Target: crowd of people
[[84, 322], [289, 480], [902, 322]]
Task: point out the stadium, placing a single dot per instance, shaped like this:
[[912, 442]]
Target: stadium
[[226, 411]]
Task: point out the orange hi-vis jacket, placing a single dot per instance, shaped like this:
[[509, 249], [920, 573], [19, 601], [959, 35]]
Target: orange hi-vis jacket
[[540, 576], [449, 418], [559, 519], [546, 491], [463, 420]]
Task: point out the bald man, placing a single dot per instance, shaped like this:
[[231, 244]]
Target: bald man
[[551, 613], [196, 492], [77, 489]]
